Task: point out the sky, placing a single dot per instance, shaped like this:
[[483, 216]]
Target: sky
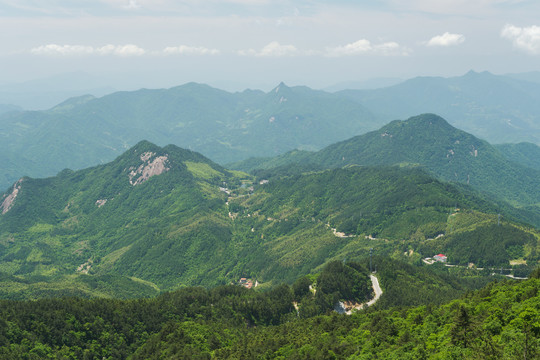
[[238, 44]]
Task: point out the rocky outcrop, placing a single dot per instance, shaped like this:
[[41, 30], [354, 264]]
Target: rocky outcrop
[[152, 165], [8, 200], [101, 202]]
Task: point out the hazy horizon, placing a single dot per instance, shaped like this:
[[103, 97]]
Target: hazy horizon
[[238, 44]]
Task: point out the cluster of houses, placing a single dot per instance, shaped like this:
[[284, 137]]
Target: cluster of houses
[[437, 258], [247, 283]]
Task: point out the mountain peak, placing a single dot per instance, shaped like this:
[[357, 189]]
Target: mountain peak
[[475, 74], [428, 118], [144, 145], [420, 121], [280, 87]]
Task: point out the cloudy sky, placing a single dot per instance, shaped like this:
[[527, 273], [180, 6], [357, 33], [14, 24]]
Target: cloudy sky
[[235, 44]]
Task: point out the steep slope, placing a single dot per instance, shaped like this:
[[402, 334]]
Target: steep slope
[[156, 214], [526, 154], [223, 126], [430, 142], [451, 154], [391, 209], [161, 218], [496, 108]]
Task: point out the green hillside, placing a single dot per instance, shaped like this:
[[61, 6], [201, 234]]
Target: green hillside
[[499, 321], [226, 127], [157, 219], [393, 210], [149, 215], [526, 154], [430, 142]]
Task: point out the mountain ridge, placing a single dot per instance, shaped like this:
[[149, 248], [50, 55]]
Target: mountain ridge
[[494, 107], [225, 126], [165, 217], [429, 141]]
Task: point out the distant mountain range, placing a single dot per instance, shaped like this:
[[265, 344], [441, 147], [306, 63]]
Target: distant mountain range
[[229, 127], [45, 93], [226, 127], [8, 108], [526, 154], [496, 108]]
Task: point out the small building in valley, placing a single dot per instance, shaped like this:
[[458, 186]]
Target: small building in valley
[[247, 283], [440, 258]]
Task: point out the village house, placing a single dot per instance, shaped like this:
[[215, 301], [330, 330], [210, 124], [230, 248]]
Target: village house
[[247, 283], [440, 258]]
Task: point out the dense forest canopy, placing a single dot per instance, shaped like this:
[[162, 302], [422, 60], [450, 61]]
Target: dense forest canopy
[[499, 321]]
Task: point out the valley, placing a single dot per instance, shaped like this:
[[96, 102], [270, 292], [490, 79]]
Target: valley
[[163, 246], [253, 179], [181, 219]]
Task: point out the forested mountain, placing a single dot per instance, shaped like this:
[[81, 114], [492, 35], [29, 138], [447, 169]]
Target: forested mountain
[[157, 219], [498, 322], [526, 154], [496, 108], [430, 142], [151, 214], [230, 127], [224, 126]]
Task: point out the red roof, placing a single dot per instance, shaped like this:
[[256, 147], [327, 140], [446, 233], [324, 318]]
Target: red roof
[[441, 255]]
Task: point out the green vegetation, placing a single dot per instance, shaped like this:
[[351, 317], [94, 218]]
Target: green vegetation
[[105, 232], [224, 126], [95, 221], [526, 154], [499, 321], [428, 141]]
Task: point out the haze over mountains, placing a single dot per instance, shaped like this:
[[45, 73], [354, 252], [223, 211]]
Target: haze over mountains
[[45, 93], [170, 224], [76, 208], [493, 107], [228, 127]]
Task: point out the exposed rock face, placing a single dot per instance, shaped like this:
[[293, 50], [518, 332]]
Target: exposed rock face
[[7, 203], [151, 166], [101, 202]]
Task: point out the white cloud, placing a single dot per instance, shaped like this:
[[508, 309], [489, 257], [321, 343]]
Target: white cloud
[[524, 38], [53, 49], [364, 46], [121, 50], [79, 50], [189, 50], [133, 5], [357, 47], [446, 39], [273, 49]]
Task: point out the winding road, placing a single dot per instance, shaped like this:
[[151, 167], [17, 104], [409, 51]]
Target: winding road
[[378, 292], [376, 288]]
